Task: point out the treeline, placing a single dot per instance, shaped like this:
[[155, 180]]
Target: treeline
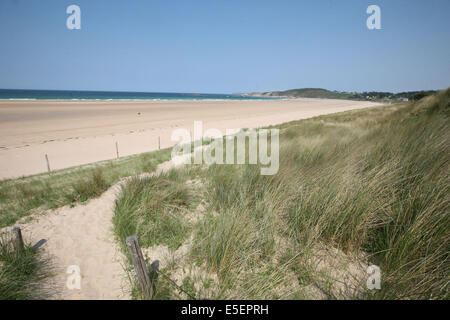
[[375, 95]]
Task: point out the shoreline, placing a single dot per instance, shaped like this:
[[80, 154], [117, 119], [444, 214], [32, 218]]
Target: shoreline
[[150, 100]]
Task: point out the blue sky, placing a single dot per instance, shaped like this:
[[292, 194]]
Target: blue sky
[[224, 46]]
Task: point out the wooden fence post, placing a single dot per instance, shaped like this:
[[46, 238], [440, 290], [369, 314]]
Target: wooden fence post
[[139, 265], [48, 163], [159, 142], [117, 149], [17, 239]]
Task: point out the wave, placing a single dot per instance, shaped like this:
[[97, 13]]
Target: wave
[[15, 94]]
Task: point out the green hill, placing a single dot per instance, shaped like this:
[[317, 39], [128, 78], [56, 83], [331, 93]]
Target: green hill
[[311, 93], [366, 96]]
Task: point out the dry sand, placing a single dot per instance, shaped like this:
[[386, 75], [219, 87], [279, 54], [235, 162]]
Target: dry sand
[[80, 132]]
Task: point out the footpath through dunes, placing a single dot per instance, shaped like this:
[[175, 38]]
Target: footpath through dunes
[[83, 236]]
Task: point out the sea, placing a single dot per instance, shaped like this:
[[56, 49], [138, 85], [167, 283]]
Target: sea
[[16, 94]]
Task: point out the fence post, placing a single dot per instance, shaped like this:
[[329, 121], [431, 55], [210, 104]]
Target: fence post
[[117, 149], [159, 142], [17, 239], [48, 163], [139, 265]]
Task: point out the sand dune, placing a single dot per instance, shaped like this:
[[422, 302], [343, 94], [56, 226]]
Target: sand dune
[[83, 132], [72, 133]]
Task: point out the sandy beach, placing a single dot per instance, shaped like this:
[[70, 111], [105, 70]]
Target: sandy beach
[[73, 133]]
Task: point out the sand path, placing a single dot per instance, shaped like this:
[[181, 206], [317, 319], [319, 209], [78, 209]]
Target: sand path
[[83, 236]]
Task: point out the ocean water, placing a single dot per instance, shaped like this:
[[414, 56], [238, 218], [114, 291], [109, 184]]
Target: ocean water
[[10, 94]]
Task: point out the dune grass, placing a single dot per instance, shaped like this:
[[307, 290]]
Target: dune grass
[[372, 185], [154, 208], [21, 273], [20, 198], [156, 217]]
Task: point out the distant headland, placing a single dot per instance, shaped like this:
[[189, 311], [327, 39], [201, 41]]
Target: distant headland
[[328, 94]]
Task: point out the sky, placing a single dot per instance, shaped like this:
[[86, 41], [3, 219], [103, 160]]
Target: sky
[[224, 46]]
